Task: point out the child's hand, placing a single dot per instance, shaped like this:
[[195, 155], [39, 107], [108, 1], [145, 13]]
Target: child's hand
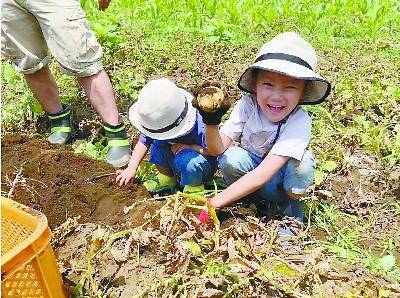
[[204, 216], [176, 148], [124, 176]]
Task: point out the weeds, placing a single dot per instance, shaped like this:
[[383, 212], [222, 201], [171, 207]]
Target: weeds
[[96, 150], [344, 234], [144, 172]]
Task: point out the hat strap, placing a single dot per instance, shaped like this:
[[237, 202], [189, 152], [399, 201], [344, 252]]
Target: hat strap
[[174, 124], [283, 121], [286, 57]]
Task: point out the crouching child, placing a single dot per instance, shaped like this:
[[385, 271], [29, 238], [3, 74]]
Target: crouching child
[[272, 161], [174, 132]]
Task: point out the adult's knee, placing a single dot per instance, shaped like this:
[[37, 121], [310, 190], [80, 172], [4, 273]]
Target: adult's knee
[[74, 45]]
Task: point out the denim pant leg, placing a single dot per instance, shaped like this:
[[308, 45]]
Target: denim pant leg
[[299, 175], [294, 177], [194, 168], [161, 155], [236, 162]]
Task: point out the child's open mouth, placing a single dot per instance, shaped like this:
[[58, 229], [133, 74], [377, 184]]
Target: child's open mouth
[[275, 108]]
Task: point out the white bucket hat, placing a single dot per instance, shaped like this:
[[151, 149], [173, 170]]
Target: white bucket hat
[[289, 54], [163, 111]]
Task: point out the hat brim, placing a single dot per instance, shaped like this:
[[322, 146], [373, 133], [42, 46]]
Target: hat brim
[[317, 90], [183, 128]]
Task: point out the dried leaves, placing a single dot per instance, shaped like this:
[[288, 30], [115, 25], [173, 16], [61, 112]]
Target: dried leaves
[[172, 254]]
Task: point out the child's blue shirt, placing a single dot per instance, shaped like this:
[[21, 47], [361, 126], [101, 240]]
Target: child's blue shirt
[[197, 136]]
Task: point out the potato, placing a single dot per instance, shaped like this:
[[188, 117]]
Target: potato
[[210, 98]]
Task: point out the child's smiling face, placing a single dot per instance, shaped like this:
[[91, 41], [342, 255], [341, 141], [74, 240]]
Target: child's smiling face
[[277, 94]]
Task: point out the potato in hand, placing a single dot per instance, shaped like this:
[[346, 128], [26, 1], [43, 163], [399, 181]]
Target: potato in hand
[[210, 97]]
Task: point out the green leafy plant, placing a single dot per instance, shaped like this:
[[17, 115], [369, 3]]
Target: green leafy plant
[[96, 150], [145, 171]]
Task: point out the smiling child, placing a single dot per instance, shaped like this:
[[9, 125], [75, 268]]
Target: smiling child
[[272, 161]]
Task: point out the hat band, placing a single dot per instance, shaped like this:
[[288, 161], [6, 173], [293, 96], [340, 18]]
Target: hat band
[[286, 57], [174, 124]]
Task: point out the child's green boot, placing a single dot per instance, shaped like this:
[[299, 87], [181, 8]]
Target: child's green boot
[[159, 184], [193, 188]]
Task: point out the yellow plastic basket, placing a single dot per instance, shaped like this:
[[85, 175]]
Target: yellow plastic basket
[[28, 264]]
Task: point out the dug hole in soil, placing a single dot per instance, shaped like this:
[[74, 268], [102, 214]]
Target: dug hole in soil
[[62, 184]]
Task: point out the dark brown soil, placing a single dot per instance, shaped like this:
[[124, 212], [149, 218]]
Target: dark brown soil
[[62, 184], [85, 209]]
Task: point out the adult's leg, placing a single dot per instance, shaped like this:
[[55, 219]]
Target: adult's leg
[[45, 89], [74, 46], [99, 90], [23, 41]]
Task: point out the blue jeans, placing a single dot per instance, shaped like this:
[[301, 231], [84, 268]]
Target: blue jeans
[[294, 177], [189, 166]]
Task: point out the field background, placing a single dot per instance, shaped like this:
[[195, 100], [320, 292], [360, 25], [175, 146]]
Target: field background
[[354, 206]]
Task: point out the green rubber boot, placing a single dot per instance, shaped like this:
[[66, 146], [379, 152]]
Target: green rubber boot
[[60, 126], [119, 149], [160, 184], [193, 188]]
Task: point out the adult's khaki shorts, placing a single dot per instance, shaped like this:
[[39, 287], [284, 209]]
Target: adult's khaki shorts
[[30, 28]]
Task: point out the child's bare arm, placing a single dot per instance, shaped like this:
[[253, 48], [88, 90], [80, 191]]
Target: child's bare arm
[[203, 151], [139, 152], [176, 148], [250, 182], [216, 141]]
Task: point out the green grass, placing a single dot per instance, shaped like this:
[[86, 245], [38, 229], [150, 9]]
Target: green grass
[[345, 237], [216, 39]]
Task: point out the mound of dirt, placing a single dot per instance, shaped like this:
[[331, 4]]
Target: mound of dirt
[[62, 184]]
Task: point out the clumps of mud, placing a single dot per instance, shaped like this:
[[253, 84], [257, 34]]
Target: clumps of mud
[[61, 184]]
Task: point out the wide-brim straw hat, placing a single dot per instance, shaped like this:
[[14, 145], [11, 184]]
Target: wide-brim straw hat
[[289, 54], [163, 111]]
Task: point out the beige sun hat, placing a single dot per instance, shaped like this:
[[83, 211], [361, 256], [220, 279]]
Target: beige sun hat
[[163, 111], [289, 54]]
